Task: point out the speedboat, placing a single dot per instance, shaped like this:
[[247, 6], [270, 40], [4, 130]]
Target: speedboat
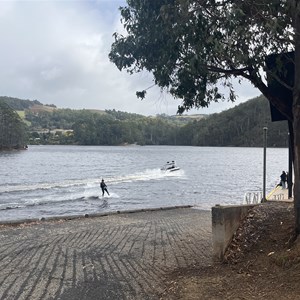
[[170, 166]]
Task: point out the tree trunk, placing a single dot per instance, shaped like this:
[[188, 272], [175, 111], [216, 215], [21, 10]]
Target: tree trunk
[[296, 124], [296, 116]]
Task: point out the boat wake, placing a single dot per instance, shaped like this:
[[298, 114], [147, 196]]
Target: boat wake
[[84, 194], [149, 174]]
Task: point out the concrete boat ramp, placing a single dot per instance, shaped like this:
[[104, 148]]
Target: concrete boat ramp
[[118, 256]]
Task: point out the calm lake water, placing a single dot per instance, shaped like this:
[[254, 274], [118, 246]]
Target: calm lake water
[[46, 181]]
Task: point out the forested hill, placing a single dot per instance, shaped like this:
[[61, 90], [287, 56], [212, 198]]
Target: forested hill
[[19, 104], [239, 126]]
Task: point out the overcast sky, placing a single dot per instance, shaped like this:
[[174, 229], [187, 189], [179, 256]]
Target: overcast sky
[[57, 52]]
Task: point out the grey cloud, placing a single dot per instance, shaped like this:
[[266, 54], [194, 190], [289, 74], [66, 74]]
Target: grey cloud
[[57, 52]]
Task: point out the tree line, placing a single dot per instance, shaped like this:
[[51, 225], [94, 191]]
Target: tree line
[[240, 126], [13, 131], [84, 127]]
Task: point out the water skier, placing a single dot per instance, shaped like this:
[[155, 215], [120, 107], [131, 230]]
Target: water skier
[[103, 187]]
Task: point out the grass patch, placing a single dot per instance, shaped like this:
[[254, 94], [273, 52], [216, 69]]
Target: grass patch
[[21, 114]]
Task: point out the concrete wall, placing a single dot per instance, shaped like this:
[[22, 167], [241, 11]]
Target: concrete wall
[[225, 221]]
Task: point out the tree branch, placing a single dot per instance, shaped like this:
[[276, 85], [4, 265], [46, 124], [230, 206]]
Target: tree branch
[[232, 71], [284, 107]]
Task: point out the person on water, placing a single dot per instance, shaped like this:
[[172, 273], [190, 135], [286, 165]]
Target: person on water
[[103, 187], [283, 179]]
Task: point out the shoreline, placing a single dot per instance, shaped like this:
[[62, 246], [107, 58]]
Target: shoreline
[[83, 216]]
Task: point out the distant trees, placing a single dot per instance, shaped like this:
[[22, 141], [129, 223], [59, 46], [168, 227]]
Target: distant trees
[[115, 128], [239, 126], [12, 129], [19, 104]]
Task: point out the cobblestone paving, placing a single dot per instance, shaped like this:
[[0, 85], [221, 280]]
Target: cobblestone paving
[[121, 256]]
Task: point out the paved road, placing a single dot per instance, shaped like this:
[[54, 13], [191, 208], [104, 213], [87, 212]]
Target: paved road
[[120, 256]]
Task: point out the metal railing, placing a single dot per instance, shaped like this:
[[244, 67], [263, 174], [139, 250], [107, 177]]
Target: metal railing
[[253, 197], [278, 197]]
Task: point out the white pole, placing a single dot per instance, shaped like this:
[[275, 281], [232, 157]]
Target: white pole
[[265, 164]]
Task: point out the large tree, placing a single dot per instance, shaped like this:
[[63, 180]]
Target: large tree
[[192, 47], [12, 129]]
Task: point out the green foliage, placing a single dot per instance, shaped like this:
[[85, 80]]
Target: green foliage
[[18, 104], [56, 119], [117, 128], [13, 132], [239, 126], [192, 47]]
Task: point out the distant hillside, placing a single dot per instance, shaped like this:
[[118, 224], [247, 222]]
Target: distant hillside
[[238, 126], [191, 117], [48, 124], [38, 109], [183, 119], [19, 104]]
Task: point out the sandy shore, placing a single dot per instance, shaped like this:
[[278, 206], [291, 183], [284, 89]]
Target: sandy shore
[[119, 256]]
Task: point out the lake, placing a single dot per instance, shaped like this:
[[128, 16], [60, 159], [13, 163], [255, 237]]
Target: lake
[[48, 181]]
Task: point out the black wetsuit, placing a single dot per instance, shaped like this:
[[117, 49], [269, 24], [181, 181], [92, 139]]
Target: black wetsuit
[[283, 178], [104, 188]]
